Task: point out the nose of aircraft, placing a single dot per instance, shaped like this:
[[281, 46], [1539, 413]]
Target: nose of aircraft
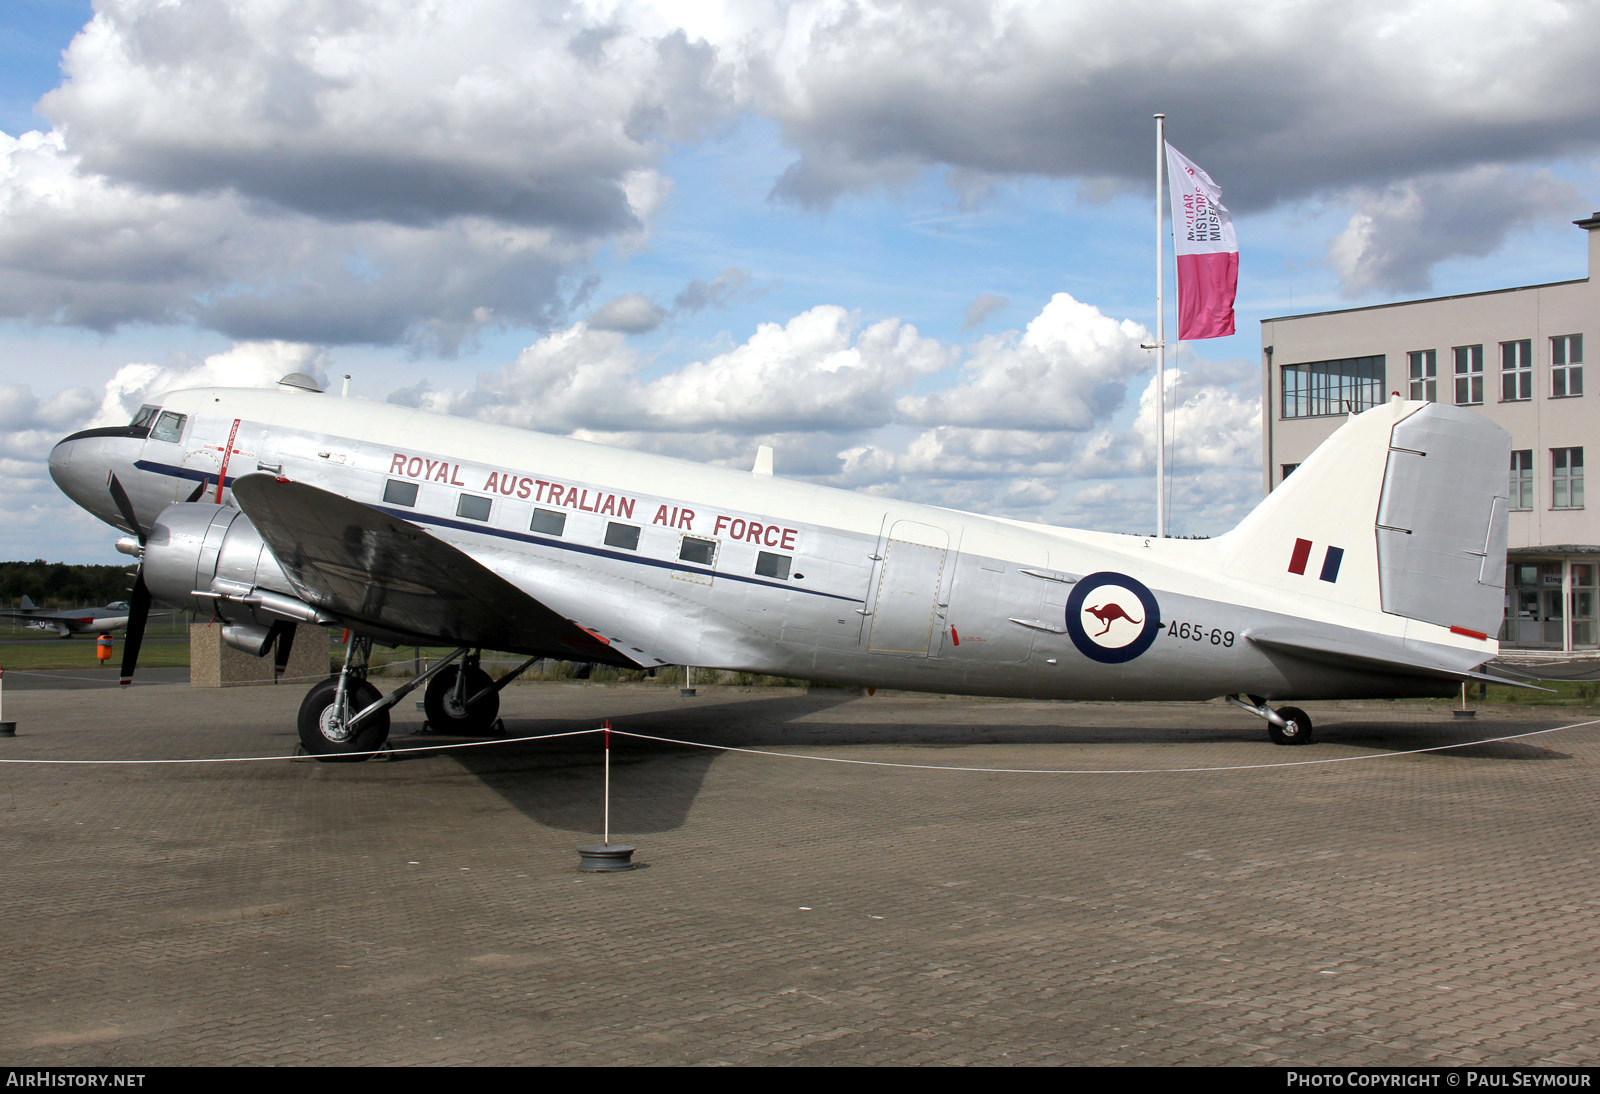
[[80, 463]]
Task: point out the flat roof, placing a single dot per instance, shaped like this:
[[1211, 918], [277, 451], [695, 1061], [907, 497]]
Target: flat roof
[[1427, 300]]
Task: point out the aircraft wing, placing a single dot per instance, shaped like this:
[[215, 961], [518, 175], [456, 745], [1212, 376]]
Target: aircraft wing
[[369, 567]]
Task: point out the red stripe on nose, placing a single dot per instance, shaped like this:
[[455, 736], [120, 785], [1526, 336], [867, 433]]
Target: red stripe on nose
[[1302, 551]]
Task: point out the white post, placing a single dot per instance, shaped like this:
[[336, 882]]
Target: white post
[[1161, 331], [605, 838]]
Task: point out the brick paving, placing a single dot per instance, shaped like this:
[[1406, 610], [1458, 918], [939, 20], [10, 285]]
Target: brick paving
[[1396, 909]]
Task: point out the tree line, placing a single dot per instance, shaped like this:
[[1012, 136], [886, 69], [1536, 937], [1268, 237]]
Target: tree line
[[63, 584]]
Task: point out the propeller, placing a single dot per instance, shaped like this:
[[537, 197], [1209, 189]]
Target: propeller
[[139, 600]]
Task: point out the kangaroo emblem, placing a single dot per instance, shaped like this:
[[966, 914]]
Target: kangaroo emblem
[[1109, 614]]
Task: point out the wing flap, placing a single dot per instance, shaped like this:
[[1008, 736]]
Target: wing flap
[[370, 567]]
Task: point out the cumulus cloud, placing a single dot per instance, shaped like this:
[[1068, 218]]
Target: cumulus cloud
[[1396, 235], [375, 172], [1068, 369], [369, 172], [1298, 98], [1026, 423], [630, 314]]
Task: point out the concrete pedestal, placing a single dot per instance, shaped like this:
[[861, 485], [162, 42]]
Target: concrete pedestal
[[215, 664]]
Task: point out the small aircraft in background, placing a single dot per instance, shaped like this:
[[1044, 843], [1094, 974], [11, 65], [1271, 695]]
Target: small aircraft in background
[[1375, 571], [71, 621]]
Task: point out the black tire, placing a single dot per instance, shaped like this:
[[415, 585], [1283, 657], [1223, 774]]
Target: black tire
[[321, 740], [1298, 730], [438, 702]]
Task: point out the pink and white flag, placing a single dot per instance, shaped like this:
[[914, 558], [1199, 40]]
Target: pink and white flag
[[1208, 252]]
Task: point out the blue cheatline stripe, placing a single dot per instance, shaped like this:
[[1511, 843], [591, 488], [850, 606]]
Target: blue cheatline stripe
[[1330, 563], [522, 537], [181, 472]]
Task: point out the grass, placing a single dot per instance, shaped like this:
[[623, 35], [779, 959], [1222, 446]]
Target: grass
[[21, 648]]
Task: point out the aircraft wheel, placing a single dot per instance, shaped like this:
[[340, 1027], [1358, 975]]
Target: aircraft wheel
[[446, 716], [325, 739], [1297, 731]]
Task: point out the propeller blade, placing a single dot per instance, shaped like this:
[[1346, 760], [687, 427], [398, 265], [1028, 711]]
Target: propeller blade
[[138, 612], [284, 642], [195, 496], [124, 506]]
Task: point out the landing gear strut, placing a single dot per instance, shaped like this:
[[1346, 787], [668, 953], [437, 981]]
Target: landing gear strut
[[462, 702], [343, 717], [346, 718], [1285, 726]]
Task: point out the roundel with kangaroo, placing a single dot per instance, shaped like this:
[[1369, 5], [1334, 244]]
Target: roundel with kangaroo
[[1112, 618]]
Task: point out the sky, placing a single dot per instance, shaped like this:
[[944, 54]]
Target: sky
[[909, 245]]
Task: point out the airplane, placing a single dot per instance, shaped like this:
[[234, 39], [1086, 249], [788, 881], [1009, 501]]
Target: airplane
[[1375, 571], [113, 616]]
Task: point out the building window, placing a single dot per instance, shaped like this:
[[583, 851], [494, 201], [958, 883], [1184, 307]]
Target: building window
[[1288, 469], [1566, 365], [702, 552], [1522, 479], [771, 565], [473, 507], [1424, 368], [1566, 478], [396, 492], [625, 536], [549, 521], [1516, 371], [1469, 375], [1346, 386]]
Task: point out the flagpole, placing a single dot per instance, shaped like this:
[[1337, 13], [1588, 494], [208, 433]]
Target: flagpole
[[1161, 335]]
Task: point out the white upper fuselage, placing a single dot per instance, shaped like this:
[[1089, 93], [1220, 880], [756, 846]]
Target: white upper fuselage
[[804, 580]]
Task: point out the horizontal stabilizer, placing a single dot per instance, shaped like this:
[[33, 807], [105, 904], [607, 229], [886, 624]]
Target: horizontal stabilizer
[[370, 567], [1392, 656]]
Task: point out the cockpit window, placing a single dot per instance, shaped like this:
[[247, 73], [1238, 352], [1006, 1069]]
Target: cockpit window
[[169, 427], [146, 415]]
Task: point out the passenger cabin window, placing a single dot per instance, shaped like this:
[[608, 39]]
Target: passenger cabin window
[[625, 536], [169, 427], [771, 565], [700, 551], [397, 492], [473, 507], [549, 521]]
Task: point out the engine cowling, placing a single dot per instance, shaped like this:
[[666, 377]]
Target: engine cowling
[[210, 559]]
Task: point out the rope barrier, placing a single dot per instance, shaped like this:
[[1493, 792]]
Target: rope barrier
[[838, 759]]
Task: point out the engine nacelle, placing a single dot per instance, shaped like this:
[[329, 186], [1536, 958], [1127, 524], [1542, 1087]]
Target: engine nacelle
[[211, 560]]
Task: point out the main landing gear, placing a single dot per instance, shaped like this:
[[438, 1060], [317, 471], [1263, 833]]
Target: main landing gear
[[345, 718], [1286, 725]]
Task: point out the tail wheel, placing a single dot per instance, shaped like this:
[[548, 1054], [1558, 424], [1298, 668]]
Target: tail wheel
[[447, 715], [326, 738], [1296, 729]]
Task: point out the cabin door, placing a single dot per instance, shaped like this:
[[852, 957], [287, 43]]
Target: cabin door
[[908, 601]]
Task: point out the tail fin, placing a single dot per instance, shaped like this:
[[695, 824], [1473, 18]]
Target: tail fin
[[28, 605], [1403, 510]]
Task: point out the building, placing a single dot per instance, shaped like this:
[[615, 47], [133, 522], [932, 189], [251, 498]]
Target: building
[[1515, 355]]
